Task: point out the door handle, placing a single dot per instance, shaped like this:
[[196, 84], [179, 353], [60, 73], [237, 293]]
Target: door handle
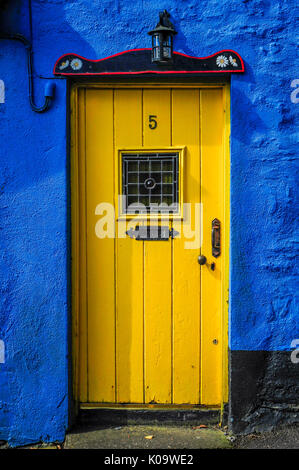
[[216, 239], [216, 245]]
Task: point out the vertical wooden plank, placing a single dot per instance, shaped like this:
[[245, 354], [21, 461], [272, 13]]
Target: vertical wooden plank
[[157, 292], [157, 270], [129, 266], [186, 271], [212, 123], [82, 248], [100, 251], [156, 103]]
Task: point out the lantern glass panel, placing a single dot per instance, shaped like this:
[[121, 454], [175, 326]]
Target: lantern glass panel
[[156, 53], [167, 41], [167, 52], [166, 44], [156, 40]]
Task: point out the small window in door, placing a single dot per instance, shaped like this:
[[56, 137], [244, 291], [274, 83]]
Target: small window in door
[[150, 182]]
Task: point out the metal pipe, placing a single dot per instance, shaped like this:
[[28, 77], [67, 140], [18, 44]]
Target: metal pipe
[[50, 87]]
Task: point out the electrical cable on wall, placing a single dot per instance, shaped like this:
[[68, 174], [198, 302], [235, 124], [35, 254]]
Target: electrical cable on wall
[[50, 86]]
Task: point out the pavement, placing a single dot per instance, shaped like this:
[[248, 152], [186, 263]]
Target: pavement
[[170, 437], [147, 437], [286, 437], [178, 437]]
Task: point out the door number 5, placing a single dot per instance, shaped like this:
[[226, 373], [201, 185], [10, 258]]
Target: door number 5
[[152, 123]]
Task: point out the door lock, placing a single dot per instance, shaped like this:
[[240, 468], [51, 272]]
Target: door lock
[[203, 260], [216, 240]]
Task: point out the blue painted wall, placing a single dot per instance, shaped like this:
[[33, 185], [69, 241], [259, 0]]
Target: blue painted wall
[[34, 238]]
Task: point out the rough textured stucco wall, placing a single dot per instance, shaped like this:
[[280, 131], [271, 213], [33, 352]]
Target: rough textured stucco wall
[[33, 247], [34, 191]]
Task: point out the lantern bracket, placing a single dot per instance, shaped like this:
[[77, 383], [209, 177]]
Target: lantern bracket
[[164, 24]]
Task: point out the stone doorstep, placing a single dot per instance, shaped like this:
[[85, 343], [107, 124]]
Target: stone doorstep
[[147, 416]]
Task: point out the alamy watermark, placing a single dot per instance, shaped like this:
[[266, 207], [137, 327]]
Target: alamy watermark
[[187, 225], [295, 353], [2, 352], [295, 93], [2, 92]]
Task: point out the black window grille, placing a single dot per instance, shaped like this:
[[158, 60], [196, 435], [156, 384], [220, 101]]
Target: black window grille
[[150, 182]]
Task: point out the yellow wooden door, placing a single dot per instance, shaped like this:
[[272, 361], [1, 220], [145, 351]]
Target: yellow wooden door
[[151, 317]]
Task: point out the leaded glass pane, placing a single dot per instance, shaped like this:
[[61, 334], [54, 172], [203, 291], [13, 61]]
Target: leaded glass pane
[[150, 179]]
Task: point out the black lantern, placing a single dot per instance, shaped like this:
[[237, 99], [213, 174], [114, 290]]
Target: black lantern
[[162, 39]]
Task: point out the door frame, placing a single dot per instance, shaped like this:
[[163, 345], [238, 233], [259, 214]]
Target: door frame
[[78, 267]]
